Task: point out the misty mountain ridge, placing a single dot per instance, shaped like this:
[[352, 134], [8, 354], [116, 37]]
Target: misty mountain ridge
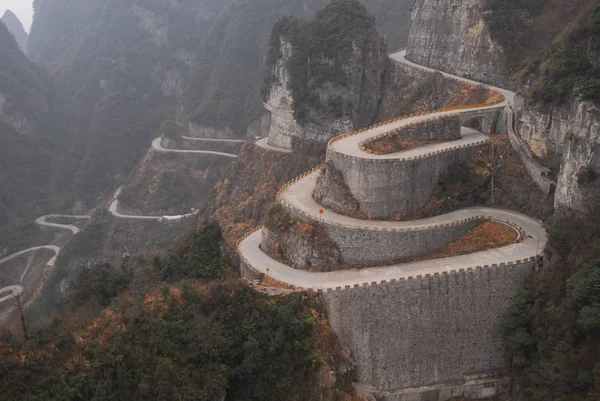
[[14, 25]]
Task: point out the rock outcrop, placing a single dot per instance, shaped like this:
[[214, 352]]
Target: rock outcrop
[[578, 187], [316, 90]]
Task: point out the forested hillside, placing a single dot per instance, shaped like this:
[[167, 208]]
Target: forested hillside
[[27, 109], [179, 327]]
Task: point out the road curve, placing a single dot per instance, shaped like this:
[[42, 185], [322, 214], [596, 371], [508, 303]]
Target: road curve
[[263, 143], [18, 289], [156, 145], [400, 57], [42, 221], [351, 145], [15, 290], [250, 250], [298, 196], [114, 210]]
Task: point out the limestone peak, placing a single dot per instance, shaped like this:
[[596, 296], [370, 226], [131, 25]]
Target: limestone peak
[[15, 27]]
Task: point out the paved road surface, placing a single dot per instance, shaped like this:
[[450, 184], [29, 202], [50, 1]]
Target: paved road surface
[[214, 139], [114, 206], [14, 291], [263, 143], [249, 249], [156, 145]]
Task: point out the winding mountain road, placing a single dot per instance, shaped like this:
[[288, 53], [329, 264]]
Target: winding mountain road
[[18, 289], [114, 210], [156, 145], [298, 196]]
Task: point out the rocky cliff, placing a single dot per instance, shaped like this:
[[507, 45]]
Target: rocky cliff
[[15, 27], [453, 36], [326, 75], [546, 49]]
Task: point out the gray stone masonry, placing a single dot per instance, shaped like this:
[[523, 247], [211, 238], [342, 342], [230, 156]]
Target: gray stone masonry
[[387, 187], [426, 330], [360, 246], [472, 390]]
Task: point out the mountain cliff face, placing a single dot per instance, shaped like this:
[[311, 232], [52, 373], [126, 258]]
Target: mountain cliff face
[[121, 66], [453, 36], [15, 27], [548, 50], [26, 129], [326, 75]]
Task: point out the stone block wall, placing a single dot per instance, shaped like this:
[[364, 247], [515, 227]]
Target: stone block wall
[[487, 387], [427, 330], [363, 245], [387, 187]]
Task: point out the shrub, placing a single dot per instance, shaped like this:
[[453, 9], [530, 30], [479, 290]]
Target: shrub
[[198, 257], [586, 176]]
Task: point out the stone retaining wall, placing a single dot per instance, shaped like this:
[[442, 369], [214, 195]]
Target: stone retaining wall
[[427, 330], [387, 187], [470, 389], [368, 246]]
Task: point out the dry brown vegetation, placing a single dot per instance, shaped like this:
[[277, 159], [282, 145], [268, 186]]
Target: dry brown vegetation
[[397, 144]]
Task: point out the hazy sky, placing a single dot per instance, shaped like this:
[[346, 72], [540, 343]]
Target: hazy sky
[[23, 9]]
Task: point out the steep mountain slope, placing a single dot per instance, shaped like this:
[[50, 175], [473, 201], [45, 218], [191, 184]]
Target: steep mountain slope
[[15, 27], [121, 66], [26, 108]]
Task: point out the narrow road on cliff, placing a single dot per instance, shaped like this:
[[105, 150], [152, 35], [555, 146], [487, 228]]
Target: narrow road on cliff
[[114, 206], [297, 196], [214, 139], [264, 143], [156, 145]]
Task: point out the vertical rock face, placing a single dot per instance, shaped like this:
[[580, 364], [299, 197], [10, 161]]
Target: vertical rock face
[[544, 128], [451, 35], [317, 90], [15, 27], [578, 187]]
